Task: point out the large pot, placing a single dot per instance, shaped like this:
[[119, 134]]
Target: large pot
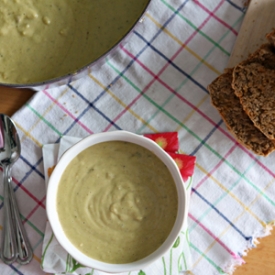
[[81, 71]]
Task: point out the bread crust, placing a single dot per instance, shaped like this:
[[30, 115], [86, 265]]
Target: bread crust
[[271, 37], [237, 121]]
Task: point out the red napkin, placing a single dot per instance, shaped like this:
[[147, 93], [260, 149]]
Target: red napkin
[[169, 142], [185, 163]]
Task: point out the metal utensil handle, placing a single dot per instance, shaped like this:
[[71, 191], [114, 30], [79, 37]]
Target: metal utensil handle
[[9, 248], [24, 248]]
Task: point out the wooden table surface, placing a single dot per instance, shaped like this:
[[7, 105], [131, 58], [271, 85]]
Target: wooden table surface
[[260, 261]]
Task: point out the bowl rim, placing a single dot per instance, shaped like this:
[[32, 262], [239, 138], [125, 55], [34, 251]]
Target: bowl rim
[[52, 214]]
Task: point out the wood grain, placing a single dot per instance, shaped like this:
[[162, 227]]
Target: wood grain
[[259, 20], [260, 260], [12, 99]]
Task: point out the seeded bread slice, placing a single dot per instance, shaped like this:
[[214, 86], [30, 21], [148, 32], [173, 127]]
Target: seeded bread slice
[[236, 120], [254, 84]]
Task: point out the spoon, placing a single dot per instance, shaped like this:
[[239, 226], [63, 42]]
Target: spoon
[[15, 244]]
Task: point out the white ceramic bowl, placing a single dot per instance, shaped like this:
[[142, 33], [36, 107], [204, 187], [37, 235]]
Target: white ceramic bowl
[[52, 194]]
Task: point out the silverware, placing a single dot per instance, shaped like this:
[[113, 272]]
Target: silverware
[[15, 244]]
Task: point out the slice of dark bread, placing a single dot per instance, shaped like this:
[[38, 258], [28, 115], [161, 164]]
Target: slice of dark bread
[[236, 120], [254, 84]]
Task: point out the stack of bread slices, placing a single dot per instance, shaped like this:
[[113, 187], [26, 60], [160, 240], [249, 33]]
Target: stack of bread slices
[[245, 98]]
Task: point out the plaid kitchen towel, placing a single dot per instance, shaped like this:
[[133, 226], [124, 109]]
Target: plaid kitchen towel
[[157, 83]]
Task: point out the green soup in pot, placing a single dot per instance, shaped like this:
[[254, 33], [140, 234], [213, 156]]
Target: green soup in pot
[[42, 40]]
